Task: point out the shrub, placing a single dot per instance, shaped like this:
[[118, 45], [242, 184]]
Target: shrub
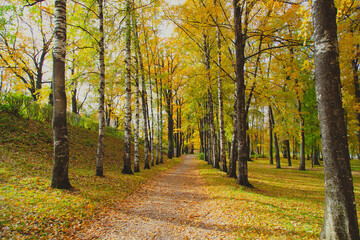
[[201, 156], [15, 103]]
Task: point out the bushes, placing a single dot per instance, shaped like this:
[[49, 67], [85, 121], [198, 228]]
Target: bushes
[[15, 103], [24, 106]]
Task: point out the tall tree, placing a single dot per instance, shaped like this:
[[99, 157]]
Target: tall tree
[[240, 42], [100, 149], [137, 98], [143, 98], [127, 138], [271, 128], [340, 219], [60, 177]]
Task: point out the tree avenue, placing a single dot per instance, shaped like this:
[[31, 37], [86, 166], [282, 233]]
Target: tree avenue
[[237, 81]]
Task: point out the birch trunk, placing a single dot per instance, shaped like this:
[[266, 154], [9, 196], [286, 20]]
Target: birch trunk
[[152, 123], [127, 138], [221, 108], [158, 151], [60, 177], [161, 123], [100, 149], [137, 97]]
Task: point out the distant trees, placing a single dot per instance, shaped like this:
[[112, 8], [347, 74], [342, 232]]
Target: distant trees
[[23, 54]]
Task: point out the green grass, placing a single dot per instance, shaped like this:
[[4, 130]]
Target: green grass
[[285, 203], [30, 209]]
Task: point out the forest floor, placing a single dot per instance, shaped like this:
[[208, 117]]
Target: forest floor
[[181, 199], [174, 205]]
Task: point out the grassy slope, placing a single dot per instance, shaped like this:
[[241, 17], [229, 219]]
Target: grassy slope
[[29, 208], [285, 203]]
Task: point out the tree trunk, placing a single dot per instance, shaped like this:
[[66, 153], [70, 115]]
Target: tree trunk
[[60, 177], [137, 120], [302, 142], [287, 144], [74, 107], [221, 109], [340, 219], [152, 145], [143, 97], [100, 149], [127, 136], [161, 123], [158, 150], [137, 96], [271, 136], [294, 148], [316, 156], [234, 143], [144, 111], [277, 152], [240, 40], [169, 112], [213, 143]]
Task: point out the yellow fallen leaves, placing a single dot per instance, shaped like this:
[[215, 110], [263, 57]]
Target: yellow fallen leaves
[[285, 204]]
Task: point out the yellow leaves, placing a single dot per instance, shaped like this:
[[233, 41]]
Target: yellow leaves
[[307, 65]]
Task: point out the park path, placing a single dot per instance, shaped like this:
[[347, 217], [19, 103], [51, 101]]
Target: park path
[[174, 205]]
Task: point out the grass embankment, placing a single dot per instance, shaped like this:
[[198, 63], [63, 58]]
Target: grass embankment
[[29, 208], [285, 203]]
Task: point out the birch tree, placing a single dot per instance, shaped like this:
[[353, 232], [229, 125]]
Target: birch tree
[[100, 149], [127, 138], [60, 177]]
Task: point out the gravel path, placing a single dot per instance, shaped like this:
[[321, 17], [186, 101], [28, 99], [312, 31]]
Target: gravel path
[[175, 205]]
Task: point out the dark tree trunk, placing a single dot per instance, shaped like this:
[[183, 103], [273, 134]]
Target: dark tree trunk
[[60, 177], [234, 143], [340, 219], [294, 149], [316, 156], [302, 141], [201, 133], [277, 152], [74, 107], [288, 156], [240, 39], [169, 112], [271, 136], [178, 126]]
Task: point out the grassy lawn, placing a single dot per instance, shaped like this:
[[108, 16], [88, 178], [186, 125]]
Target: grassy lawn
[[30, 209], [285, 203]]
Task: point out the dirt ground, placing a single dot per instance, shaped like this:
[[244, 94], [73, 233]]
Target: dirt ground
[[174, 205]]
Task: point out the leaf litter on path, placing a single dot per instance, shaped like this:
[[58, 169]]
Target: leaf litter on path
[[174, 205]]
